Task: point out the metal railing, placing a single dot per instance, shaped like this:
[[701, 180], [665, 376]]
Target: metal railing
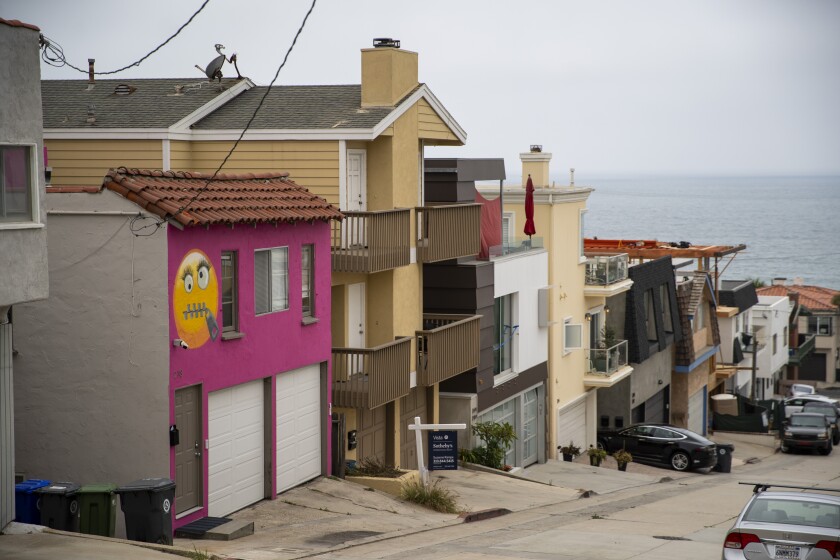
[[805, 345], [448, 346], [369, 242], [606, 361], [603, 270], [371, 377], [516, 245], [448, 232]]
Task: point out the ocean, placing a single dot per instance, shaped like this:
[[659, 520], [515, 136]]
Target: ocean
[[790, 225]]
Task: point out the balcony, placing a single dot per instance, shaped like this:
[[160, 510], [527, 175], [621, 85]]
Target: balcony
[[606, 275], [448, 232], [606, 366], [804, 345], [370, 242], [371, 377], [448, 346], [515, 246]]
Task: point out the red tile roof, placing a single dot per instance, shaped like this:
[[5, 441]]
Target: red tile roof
[[18, 23], [814, 298], [74, 188], [228, 199]]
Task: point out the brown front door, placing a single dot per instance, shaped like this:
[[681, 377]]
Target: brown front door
[[411, 405], [189, 450]]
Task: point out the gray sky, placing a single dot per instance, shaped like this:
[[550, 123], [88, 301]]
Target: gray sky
[[609, 87]]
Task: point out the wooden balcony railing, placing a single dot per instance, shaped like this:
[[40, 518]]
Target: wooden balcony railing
[[371, 377], [448, 346], [369, 242], [448, 232]]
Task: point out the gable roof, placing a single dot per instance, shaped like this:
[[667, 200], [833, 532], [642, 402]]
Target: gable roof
[[157, 103], [228, 199], [814, 298]]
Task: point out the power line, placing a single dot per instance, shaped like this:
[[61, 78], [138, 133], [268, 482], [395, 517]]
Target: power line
[[159, 222], [53, 54]]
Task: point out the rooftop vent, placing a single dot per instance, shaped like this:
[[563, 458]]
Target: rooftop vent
[[536, 148], [382, 42], [124, 89]]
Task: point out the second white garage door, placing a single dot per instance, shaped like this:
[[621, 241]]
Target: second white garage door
[[298, 426], [237, 440], [571, 424]]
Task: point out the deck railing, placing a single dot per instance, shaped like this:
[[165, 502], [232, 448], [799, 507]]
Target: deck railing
[[371, 377], [369, 242], [603, 270], [805, 345], [448, 232], [448, 346], [606, 361]]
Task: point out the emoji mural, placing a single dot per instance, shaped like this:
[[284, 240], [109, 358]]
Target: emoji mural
[[195, 300]]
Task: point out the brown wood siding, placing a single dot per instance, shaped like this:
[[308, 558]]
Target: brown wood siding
[[85, 162], [313, 165], [430, 125]]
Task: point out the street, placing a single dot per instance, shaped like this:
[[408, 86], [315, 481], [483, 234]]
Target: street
[[685, 518]]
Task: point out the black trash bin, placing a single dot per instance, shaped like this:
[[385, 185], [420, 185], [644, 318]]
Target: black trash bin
[[60, 506], [724, 455], [147, 505]]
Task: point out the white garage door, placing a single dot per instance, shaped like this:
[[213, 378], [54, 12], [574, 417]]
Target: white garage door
[[695, 412], [298, 426], [237, 440], [571, 424]]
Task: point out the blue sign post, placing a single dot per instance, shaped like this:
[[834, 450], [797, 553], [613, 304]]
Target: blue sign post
[[443, 451]]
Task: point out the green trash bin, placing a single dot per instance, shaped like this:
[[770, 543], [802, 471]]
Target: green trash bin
[[98, 509]]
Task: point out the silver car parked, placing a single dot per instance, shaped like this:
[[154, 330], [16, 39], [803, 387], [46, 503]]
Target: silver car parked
[[793, 522]]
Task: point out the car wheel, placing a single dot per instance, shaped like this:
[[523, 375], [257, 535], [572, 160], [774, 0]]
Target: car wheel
[[680, 461], [836, 439], [601, 444], [784, 448], [825, 450]]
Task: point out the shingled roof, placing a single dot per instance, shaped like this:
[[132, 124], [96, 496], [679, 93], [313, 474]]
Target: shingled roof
[[227, 199], [158, 103]]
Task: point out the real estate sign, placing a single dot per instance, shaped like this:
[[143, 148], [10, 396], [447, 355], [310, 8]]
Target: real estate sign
[[443, 450]]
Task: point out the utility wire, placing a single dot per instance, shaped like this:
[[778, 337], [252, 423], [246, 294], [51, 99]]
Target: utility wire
[[159, 222], [53, 54]]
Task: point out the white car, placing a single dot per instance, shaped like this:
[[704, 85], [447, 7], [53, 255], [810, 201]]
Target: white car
[[795, 404], [801, 389]]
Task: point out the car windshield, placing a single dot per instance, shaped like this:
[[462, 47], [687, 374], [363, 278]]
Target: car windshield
[[829, 411], [794, 512], [807, 421]]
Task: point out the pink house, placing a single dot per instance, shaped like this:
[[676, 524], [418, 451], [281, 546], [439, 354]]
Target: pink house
[[248, 275]]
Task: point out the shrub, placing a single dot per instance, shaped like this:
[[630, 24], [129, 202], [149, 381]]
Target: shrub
[[596, 452], [622, 456], [570, 449], [497, 439], [433, 497], [371, 466]]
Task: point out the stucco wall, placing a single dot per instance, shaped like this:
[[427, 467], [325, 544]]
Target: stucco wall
[[23, 252], [651, 376]]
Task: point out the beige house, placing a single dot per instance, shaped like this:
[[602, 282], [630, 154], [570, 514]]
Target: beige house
[[360, 147]]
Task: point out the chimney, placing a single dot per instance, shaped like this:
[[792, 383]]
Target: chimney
[[90, 70], [798, 281], [779, 281], [535, 164], [388, 73]]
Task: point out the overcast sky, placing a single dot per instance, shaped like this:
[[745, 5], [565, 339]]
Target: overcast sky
[[609, 87]]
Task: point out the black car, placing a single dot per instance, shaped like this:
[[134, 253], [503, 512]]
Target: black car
[[678, 448], [807, 430], [829, 411]]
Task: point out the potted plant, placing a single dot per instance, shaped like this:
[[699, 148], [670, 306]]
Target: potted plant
[[570, 451], [606, 344], [596, 455], [622, 457]]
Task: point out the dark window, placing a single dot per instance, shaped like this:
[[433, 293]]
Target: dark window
[[650, 317], [230, 297], [307, 274], [666, 309], [15, 184], [820, 325], [503, 347]]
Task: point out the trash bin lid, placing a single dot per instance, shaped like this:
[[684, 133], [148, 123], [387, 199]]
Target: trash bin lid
[[727, 446], [29, 486], [105, 488], [63, 488], [147, 484]]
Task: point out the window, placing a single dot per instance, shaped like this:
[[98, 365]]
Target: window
[[819, 325], [667, 323], [785, 339], [581, 233], [699, 320], [572, 335], [650, 317], [505, 328], [271, 280], [508, 226], [775, 342], [230, 296], [17, 192], [307, 275]]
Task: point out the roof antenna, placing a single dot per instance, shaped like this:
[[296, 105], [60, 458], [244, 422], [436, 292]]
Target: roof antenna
[[214, 69]]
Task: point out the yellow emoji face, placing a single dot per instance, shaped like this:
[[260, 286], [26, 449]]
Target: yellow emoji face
[[195, 300]]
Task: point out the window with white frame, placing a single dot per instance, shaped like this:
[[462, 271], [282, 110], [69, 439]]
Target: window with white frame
[[572, 335], [505, 329], [820, 325], [508, 227], [18, 184], [581, 232], [271, 280]]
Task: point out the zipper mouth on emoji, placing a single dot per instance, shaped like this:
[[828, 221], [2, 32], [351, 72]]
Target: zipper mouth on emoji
[[196, 310]]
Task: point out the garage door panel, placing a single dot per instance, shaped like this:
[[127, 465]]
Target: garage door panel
[[237, 442], [571, 424], [695, 411], [298, 401]]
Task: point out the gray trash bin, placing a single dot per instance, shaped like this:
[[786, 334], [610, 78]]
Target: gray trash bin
[[147, 505], [60, 506], [724, 455]]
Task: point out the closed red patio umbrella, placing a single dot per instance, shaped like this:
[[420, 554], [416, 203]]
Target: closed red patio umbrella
[[530, 228]]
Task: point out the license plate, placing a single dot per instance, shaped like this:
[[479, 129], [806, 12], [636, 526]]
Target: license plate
[[786, 551]]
